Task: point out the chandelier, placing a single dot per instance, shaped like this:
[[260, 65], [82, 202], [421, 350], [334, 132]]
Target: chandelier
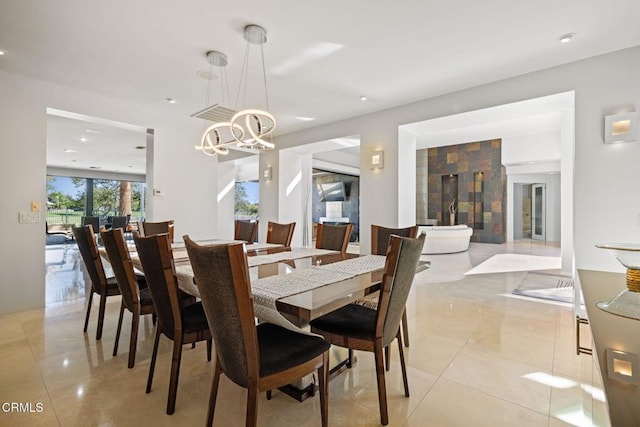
[[247, 128]]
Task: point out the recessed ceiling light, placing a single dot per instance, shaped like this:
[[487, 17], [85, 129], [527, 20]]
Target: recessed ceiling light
[[170, 100], [140, 147], [207, 75], [83, 139], [305, 119], [91, 131], [566, 38], [95, 167], [3, 52], [69, 150], [363, 98]]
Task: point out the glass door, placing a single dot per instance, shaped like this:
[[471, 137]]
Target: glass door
[[538, 195]]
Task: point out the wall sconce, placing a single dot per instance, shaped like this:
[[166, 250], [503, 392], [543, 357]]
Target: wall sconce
[[377, 159], [623, 366], [621, 128], [267, 173]]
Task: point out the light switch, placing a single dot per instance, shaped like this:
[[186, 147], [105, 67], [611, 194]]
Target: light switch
[[28, 217]]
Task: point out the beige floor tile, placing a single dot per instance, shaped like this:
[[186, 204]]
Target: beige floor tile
[[452, 404], [501, 378]]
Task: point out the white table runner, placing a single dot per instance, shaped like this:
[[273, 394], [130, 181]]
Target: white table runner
[[294, 253]]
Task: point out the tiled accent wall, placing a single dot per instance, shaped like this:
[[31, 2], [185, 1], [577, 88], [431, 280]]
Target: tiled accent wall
[[481, 205]]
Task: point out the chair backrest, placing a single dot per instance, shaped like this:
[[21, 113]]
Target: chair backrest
[[88, 247], [156, 258], [280, 233], [151, 228], [246, 230], [119, 221], [380, 237], [399, 270], [222, 275], [120, 259], [93, 221], [333, 237]]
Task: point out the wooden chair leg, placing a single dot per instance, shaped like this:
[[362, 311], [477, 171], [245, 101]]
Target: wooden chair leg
[[382, 388], [350, 359], [252, 405], [403, 365], [86, 319], [152, 365], [133, 342], [214, 393], [103, 308], [175, 374], [405, 328], [323, 382], [268, 394], [387, 358], [209, 348], [118, 330]]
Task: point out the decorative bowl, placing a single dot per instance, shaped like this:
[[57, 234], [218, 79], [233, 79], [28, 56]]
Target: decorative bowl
[[627, 302]]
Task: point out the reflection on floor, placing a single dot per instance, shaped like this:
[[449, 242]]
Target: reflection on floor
[[477, 358]]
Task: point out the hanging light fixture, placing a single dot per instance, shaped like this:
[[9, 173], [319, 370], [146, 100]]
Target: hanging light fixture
[[248, 128]]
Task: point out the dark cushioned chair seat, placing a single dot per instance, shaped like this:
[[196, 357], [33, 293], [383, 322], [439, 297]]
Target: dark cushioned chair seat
[[112, 285], [282, 349], [193, 318], [352, 320], [145, 297]]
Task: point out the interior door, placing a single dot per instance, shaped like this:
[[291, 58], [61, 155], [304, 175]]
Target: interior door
[[538, 210]]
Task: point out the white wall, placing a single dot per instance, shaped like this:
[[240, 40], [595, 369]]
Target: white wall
[[187, 178], [531, 148]]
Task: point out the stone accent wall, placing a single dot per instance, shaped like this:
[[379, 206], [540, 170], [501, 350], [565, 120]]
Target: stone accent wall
[[477, 172]]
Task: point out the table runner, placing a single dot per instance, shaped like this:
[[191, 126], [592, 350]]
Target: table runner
[[294, 253]]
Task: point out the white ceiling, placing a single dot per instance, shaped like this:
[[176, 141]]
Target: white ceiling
[[320, 57]]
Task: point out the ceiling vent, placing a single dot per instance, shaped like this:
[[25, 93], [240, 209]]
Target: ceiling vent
[[216, 113]]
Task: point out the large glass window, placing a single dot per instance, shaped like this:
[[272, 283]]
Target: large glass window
[[247, 200], [71, 198]]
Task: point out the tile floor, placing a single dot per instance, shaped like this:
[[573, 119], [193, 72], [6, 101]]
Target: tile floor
[[478, 357]]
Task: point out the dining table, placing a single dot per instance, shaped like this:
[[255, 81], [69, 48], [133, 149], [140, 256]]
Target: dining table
[[291, 286]]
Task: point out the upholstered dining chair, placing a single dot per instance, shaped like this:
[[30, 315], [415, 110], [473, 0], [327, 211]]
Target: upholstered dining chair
[[135, 299], [333, 237], [246, 230], [181, 324], [119, 221], [357, 327], [379, 245], [100, 284], [257, 357], [153, 228], [93, 221], [280, 233]]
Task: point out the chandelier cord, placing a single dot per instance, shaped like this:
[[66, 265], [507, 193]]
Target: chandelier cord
[[264, 76], [242, 86]]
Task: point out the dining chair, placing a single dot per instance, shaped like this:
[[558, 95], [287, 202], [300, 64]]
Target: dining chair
[[100, 284], [333, 237], [379, 245], [257, 357], [119, 222], [94, 221], [152, 228], [280, 233], [134, 298], [361, 328], [246, 230], [183, 324]]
